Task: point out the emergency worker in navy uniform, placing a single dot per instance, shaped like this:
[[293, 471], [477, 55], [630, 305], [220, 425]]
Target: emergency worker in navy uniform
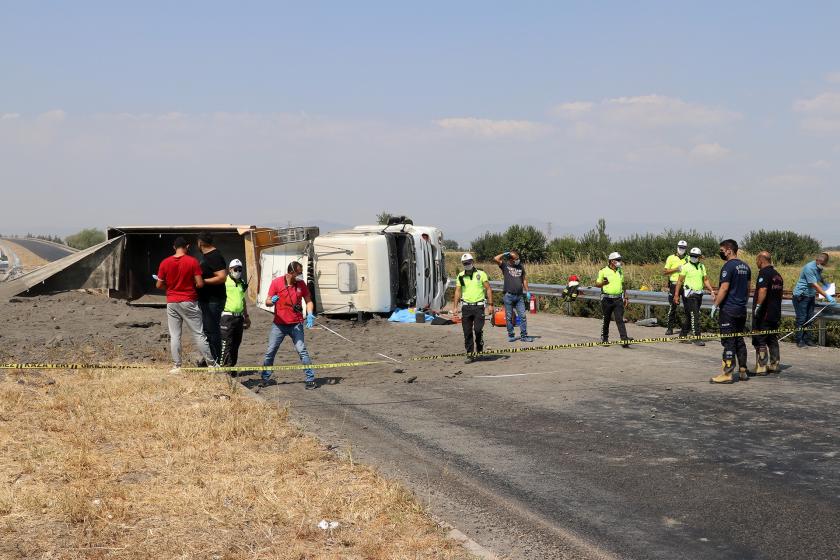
[[767, 314], [731, 303]]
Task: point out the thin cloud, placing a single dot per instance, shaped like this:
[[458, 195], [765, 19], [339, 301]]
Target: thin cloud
[[709, 152], [488, 128], [820, 113], [646, 111]]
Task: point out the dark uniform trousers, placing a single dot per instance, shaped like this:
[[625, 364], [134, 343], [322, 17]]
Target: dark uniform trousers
[[231, 327], [613, 306], [672, 307], [767, 342], [733, 346], [472, 321], [691, 324]]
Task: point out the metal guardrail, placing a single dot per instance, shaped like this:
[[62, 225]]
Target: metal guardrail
[[651, 298]]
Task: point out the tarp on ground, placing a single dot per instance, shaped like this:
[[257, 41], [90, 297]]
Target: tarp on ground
[[407, 316], [96, 268]]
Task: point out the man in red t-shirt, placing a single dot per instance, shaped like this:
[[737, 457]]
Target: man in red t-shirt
[[288, 294], [180, 275]]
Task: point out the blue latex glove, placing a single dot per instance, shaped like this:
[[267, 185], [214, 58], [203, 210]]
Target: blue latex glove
[[714, 311], [310, 321], [506, 255], [831, 300], [527, 296], [274, 299]]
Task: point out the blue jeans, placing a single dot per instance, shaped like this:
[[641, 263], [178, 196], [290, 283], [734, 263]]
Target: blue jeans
[[517, 300], [275, 338], [804, 307]]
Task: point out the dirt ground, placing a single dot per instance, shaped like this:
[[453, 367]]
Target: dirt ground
[[88, 327]]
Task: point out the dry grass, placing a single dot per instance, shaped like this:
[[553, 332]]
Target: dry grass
[[139, 464]]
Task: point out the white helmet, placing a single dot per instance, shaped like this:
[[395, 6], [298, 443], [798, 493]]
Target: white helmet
[[695, 252], [235, 262], [466, 257], [682, 243], [614, 256]]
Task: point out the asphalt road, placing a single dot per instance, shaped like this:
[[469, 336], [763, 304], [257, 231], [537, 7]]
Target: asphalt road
[[597, 453], [46, 251]]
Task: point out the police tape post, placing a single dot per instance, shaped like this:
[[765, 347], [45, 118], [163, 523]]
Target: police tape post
[[293, 367]]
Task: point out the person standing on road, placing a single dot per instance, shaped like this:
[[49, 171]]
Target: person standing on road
[[235, 317], [805, 292], [613, 298], [211, 297], [473, 293], [731, 301], [516, 293], [288, 294], [690, 283], [767, 314], [180, 275], [673, 267]]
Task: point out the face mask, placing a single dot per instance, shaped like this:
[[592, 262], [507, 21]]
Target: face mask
[[695, 260], [469, 266], [617, 265], [680, 251], [516, 262], [236, 274], [722, 255]]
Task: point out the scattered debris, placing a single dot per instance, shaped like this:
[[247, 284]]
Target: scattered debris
[[398, 370], [411, 379], [325, 525], [136, 324]]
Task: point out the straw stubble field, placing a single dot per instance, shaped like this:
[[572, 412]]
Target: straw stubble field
[[142, 464]]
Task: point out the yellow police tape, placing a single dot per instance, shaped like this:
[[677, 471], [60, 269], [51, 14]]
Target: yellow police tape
[[543, 348]]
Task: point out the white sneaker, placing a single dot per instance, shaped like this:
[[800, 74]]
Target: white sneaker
[[176, 370]]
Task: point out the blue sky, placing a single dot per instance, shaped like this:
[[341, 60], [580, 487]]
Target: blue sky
[[466, 115]]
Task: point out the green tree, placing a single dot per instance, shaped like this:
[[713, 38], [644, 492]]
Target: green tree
[[450, 245], [383, 217], [487, 246], [564, 248], [528, 241], [86, 238], [786, 247]]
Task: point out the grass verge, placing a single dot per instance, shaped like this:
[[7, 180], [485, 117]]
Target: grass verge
[[141, 464]]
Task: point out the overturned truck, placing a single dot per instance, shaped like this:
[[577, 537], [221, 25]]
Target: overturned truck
[[372, 269]]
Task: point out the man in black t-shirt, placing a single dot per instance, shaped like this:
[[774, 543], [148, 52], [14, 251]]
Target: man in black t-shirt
[[516, 295], [731, 301], [767, 313], [211, 298]]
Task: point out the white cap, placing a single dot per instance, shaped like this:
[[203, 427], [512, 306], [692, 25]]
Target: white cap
[[466, 257], [695, 252], [682, 243], [614, 256], [235, 262]]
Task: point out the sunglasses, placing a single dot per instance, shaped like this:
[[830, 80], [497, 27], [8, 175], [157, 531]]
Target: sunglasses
[[237, 269]]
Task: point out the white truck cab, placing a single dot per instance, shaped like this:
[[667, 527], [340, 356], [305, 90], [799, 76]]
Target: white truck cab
[[379, 268], [372, 269]]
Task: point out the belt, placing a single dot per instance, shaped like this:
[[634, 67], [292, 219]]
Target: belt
[[481, 303], [610, 296], [232, 313]]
